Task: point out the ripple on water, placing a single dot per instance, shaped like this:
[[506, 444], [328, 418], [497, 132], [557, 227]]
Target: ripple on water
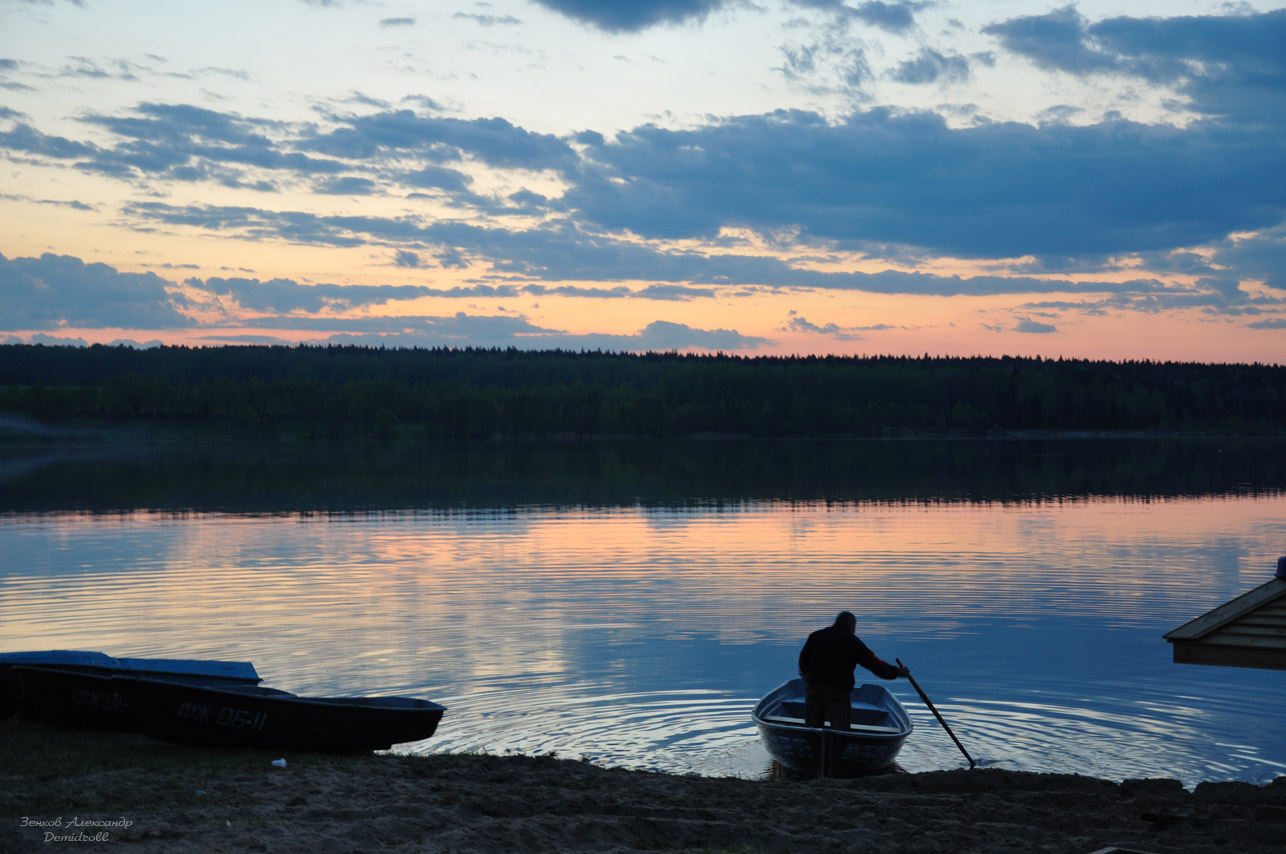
[[678, 732]]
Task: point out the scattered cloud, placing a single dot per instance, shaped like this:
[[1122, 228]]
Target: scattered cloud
[[285, 296], [632, 15], [892, 17], [55, 291], [1227, 65], [841, 333], [72, 204], [930, 66], [1081, 213], [489, 20], [345, 185], [463, 329], [1026, 324], [493, 141]]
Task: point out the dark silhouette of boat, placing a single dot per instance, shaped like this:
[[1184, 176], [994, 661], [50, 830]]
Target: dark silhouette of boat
[[74, 687], [880, 725], [259, 717]]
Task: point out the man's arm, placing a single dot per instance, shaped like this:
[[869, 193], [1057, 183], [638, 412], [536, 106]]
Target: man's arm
[[874, 663]]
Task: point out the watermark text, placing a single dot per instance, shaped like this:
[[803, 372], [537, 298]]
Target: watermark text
[[76, 829]]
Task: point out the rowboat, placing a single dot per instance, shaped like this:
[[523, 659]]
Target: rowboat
[[74, 687], [880, 726], [259, 717]]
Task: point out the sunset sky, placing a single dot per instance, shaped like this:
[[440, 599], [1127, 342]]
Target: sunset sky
[[762, 177]]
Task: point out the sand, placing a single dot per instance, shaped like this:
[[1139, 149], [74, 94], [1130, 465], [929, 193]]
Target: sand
[[122, 792]]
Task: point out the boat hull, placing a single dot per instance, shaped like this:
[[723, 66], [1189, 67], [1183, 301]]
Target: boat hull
[[257, 717], [880, 727], [74, 688]]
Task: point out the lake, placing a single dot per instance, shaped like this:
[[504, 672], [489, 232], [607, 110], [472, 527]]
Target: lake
[[628, 603]]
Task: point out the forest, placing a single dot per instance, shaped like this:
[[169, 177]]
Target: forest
[[345, 391]]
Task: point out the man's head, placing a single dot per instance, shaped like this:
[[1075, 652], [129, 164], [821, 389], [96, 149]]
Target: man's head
[[846, 621]]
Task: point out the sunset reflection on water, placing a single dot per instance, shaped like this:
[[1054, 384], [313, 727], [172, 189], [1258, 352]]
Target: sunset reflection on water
[[641, 636]]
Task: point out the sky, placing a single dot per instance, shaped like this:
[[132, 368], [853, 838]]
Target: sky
[[1098, 180]]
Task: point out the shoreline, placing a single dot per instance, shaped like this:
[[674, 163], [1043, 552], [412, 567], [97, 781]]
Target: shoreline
[[17, 431], [146, 796]]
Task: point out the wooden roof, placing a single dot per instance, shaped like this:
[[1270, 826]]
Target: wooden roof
[[1249, 631]]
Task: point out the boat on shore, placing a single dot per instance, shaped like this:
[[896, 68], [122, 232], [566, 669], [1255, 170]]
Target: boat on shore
[[74, 687], [879, 727], [259, 717]]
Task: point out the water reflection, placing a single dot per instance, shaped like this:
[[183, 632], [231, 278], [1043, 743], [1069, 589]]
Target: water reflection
[[277, 478], [642, 636]]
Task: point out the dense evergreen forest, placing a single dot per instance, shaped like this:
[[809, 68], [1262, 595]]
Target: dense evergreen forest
[[336, 392]]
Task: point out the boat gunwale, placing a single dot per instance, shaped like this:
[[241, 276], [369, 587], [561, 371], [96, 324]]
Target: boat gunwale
[[261, 692], [895, 711]]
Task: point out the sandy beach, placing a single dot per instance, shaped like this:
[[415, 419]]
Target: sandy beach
[[126, 792]]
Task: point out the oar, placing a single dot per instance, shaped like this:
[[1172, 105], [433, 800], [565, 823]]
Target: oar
[[925, 697]]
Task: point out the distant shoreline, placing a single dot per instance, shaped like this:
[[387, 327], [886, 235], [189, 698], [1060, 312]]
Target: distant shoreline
[[19, 432], [230, 472]]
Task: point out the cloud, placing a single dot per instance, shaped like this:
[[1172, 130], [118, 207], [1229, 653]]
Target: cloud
[[1258, 256], [995, 190], [893, 17], [397, 22], [801, 324], [175, 141], [493, 141], [665, 293], [632, 15], [1057, 41], [664, 335], [1226, 65], [56, 291], [438, 178], [563, 254], [1217, 295], [286, 296], [628, 16], [28, 140], [1026, 324], [896, 184], [53, 292], [677, 293], [489, 20], [930, 66], [345, 185], [73, 204], [48, 340], [263, 340], [463, 329]]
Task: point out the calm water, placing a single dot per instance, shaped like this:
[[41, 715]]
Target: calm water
[[639, 631]]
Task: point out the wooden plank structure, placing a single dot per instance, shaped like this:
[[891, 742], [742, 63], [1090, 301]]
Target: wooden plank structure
[[1249, 631]]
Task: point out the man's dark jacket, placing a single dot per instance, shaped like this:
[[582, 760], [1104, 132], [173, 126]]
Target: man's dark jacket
[[830, 655]]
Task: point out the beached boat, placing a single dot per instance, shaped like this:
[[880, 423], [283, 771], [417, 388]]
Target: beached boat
[[249, 716], [880, 726], [74, 687]]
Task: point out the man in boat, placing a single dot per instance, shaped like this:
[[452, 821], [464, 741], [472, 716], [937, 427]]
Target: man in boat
[[827, 662]]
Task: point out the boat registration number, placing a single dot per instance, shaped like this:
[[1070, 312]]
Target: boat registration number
[[224, 716]]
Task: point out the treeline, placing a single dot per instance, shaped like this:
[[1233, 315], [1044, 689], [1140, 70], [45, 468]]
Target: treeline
[[457, 393]]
